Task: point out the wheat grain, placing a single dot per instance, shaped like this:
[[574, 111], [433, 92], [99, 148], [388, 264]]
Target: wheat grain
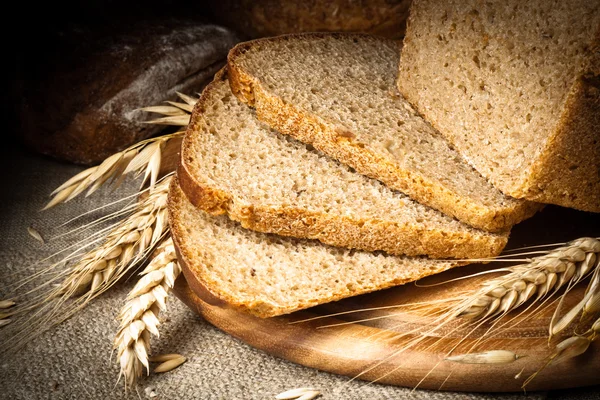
[[298, 394], [139, 316], [188, 99], [164, 110], [36, 235], [4, 304], [178, 114], [170, 364], [487, 357], [569, 348]]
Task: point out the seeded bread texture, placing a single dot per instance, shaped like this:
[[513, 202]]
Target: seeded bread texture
[[231, 163], [269, 275], [515, 87], [337, 92]]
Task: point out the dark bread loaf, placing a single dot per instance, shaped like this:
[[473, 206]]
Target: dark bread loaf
[[78, 101], [258, 18]]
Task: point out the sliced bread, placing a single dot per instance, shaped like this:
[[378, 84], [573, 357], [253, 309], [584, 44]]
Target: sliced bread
[[338, 93], [231, 163], [269, 275], [515, 86]]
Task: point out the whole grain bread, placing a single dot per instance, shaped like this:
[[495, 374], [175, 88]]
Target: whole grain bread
[[78, 98], [515, 86], [233, 164], [338, 93], [269, 275]]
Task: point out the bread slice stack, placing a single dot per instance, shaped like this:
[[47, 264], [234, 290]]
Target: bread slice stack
[[305, 177]]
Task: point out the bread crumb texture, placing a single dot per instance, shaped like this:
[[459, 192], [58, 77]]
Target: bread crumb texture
[[338, 93], [231, 163], [269, 275]]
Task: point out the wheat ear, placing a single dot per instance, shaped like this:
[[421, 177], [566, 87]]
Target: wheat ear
[[543, 276], [533, 284], [124, 247], [139, 316], [143, 157]]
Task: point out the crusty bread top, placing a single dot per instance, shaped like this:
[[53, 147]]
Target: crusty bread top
[[269, 275], [232, 163], [514, 85], [338, 93]]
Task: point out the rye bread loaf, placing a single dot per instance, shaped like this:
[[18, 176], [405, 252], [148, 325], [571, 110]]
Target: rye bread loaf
[[78, 98], [338, 93], [515, 86], [269, 275], [233, 164], [259, 18]]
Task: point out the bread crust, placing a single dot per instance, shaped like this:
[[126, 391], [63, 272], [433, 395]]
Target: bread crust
[[567, 172], [341, 231], [308, 128], [211, 292]]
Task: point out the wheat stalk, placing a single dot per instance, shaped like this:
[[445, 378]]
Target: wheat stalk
[[142, 157], [139, 316]]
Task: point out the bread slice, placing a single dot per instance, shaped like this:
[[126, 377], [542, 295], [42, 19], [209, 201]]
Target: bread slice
[[337, 92], [515, 86], [233, 164], [269, 275]]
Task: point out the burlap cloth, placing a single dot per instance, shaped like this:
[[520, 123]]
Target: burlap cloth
[[73, 360]]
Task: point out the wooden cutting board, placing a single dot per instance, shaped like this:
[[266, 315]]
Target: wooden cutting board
[[360, 344]]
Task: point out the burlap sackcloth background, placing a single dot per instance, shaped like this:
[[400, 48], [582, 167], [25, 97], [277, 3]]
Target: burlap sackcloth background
[[73, 360]]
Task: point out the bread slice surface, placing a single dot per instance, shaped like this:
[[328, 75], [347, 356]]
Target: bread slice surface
[[515, 86], [231, 163], [269, 275], [338, 93]]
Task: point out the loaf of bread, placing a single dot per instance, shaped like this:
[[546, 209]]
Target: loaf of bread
[[233, 164], [269, 275], [258, 18], [338, 93], [515, 86], [78, 97]]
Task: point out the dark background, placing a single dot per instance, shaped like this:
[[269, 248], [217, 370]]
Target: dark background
[[31, 33]]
